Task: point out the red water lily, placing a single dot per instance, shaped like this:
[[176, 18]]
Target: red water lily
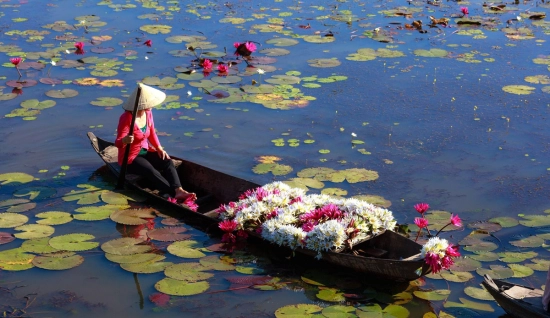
[[222, 68], [16, 60], [455, 220], [464, 10], [79, 48], [422, 207], [149, 43], [207, 64]]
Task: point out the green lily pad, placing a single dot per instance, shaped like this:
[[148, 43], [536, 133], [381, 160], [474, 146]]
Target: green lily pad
[[538, 79], [125, 246], [275, 168], [431, 53], [107, 101], [117, 198], [17, 205], [505, 221], [434, 295], [38, 246], [57, 263], [89, 195], [54, 218], [188, 272], [134, 258], [324, 62], [484, 256], [10, 220], [518, 89], [283, 79], [168, 234], [334, 191], [185, 249], [481, 246], [457, 277], [496, 271], [275, 52], [298, 310], [478, 293], [15, 177], [15, 260], [133, 216], [539, 264], [356, 175], [374, 310], [307, 182], [63, 93], [249, 270], [318, 39], [331, 294], [35, 104], [535, 220], [521, 271], [156, 28], [33, 231], [516, 257], [96, 213], [339, 311], [231, 79], [36, 193], [175, 287], [374, 199], [532, 241], [465, 303], [215, 263], [282, 42], [73, 242], [146, 267]]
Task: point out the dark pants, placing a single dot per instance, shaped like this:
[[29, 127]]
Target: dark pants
[[160, 173]]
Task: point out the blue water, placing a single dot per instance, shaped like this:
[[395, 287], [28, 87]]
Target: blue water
[[456, 139]]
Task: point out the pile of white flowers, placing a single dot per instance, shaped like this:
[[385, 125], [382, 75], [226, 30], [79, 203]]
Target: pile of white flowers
[[288, 217]]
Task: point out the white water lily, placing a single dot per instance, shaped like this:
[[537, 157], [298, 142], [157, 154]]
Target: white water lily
[[261, 71], [146, 58], [67, 51], [53, 63], [353, 134], [82, 21], [189, 93], [519, 18]]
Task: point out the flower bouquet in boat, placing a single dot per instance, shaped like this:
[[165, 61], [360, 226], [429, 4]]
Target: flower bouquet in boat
[[288, 217], [347, 232]]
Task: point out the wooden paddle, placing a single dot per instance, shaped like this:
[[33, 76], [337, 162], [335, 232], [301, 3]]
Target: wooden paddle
[[122, 176]]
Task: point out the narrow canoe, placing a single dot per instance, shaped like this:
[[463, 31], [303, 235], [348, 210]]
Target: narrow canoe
[[389, 255], [517, 300]]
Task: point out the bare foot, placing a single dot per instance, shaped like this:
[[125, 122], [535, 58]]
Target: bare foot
[[182, 195]]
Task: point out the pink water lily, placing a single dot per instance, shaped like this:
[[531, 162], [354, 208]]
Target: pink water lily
[[421, 222], [422, 207], [464, 10], [228, 225], [191, 204], [452, 250], [207, 64], [236, 44], [16, 60], [455, 220], [250, 46], [244, 49], [79, 48], [173, 200], [222, 68], [148, 43]]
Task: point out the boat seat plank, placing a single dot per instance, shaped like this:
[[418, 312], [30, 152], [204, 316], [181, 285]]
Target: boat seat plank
[[519, 292]]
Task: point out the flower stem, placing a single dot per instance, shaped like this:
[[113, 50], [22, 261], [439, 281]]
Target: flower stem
[[442, 229], [418, 234], [17, 68]]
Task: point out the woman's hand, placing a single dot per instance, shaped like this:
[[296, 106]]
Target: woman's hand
[[128, 139], [162, 154]]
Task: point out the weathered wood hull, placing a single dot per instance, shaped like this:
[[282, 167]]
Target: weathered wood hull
[[398, 260], [522, 302]]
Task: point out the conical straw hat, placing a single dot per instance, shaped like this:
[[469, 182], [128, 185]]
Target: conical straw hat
[[149, 97]]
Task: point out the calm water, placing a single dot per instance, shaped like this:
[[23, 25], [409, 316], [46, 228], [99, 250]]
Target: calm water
[[455, 139]]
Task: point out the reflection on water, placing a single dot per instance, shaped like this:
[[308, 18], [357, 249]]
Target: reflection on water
[[438, 130]]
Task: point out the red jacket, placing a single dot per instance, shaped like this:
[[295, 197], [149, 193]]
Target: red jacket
[[141, 140]]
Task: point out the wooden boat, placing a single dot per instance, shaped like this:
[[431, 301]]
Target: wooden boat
[[517, 300], [388, 255]]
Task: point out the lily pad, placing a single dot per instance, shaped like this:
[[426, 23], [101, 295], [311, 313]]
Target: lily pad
[[33, 231], [298, 310], [63, 93], [15, 260], [275, 52], [73, 242], [57, 263], [215, 263], [188, 272], [539, 264], [133, 216], [6, 238], [457, 277], [17, 205], [282, 42], [185, 249], [478, 293], [531, 241], [434, 295], [38, 246], [156, 28], [339, 311], [54, 218], [36, 193], [374, 199], [465, 303], [107, 101], [374, 310], [175, 287], [496, 271], [89, 195], [324, 63], [331, 294], [134, 258], [146, 267], [505, 221], [15, 177], [431, 53], [521, 271], [518, 89], [10, 220], [168, 234], [36, 104], [96, 213], [125, 246]]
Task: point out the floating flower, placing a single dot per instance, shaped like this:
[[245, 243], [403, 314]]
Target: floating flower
[[464, 10], [222, 68], [148, 43], [79, 48], [67, 51], [207, 64], [261, 71], [16, 60], [244, 49], [53, 63], [189, 93], [353, 134], [228, 226], [421, 222], [455, 220], [191, 204], [422, 207]]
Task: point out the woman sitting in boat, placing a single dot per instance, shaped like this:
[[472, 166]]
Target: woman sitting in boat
[[147, 157]]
